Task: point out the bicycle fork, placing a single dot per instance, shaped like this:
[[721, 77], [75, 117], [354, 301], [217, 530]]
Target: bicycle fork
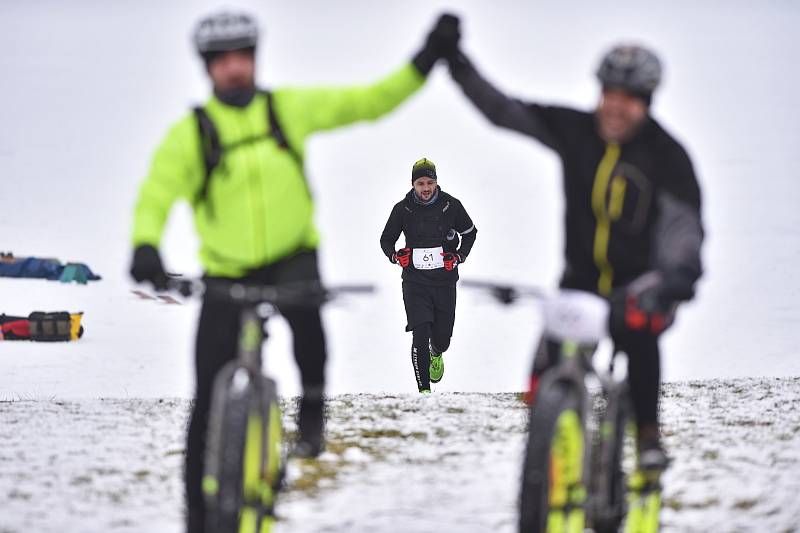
[[567, 491], [644, 503]]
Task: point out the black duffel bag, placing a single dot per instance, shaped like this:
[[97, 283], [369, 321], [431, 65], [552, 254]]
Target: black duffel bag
[[50, 327]]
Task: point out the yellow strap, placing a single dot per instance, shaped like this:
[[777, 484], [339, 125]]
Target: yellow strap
[[75, 326], [604, 216], [617, 197]]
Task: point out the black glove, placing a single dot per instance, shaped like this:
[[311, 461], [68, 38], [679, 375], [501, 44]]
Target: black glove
[[647, 304], [442, 41], [147, 266], [458, 63]]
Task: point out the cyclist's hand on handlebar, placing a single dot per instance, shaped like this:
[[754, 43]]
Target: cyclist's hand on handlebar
[[647, 304], [147, 266], [402, 257]]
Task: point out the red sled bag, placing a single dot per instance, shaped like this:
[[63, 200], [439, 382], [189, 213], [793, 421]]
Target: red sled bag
[[14, 328]]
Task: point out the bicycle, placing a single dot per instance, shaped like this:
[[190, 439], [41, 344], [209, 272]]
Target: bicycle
[[576, 474], [245, 456]]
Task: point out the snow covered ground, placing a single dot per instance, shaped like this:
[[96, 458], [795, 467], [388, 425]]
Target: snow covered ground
[[449, 462]]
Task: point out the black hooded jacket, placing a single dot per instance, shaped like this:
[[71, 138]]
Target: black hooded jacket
[[630, 207], [427, 226]]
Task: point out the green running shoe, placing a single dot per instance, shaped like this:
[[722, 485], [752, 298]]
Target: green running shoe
[[436, 368], [425, 391]]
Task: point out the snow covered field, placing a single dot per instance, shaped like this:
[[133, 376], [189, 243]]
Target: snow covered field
[[449, 462]]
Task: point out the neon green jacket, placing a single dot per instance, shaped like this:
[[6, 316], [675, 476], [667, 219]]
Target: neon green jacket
[[261, 209]]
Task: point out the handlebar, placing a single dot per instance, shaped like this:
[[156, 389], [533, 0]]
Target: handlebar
[[301, 293], [569, 315], [504, 293]]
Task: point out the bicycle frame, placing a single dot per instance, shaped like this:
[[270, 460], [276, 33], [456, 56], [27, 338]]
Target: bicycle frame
[[244, 455], [603, 493], [585, 481], [241, 487]]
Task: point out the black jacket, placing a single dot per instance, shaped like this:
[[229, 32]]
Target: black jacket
[[630, 208], [427, 226]]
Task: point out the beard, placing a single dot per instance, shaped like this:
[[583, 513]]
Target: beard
[[238, 95], [238, 92]]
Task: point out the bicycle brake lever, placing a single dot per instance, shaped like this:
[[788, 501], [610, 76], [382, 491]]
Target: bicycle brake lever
[[505, 295]]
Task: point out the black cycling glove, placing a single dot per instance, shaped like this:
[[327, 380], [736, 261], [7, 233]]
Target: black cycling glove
[[147, 266]]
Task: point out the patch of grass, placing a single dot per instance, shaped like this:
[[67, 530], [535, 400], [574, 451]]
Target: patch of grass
[[106, 471], [442, 433], [392, 434], [677, 504], [180, 451], [19, 495], [710, 455], [745, 505], [80, 480], [749, 423], [315, 474]]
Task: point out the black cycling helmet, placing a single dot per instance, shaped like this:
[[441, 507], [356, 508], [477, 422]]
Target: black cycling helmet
[[631, 67], [225, 31]]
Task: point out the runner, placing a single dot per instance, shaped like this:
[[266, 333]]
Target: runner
[[433, 223]]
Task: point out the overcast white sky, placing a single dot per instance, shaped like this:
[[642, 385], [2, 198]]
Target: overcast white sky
[[90, 87]]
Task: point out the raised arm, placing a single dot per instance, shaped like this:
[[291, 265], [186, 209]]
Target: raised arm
[[500, 109], [305, 111]]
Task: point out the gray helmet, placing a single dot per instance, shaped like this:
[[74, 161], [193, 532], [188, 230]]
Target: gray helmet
[[631, 67], [225, 31]]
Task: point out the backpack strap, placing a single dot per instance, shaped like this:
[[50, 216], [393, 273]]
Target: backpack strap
[[212, 151], [276, 131]]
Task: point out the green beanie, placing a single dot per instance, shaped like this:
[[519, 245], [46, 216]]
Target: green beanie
[[423, 167]]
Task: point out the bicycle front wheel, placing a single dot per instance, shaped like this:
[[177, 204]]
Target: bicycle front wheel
[[243, 453], [553, 495], [617, 434]]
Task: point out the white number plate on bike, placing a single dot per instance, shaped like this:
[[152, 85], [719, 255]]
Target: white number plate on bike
[[577, 316], [428, 258]]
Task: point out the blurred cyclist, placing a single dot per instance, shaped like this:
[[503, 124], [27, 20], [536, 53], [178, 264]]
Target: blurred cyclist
[[239, 160], [632, 217]]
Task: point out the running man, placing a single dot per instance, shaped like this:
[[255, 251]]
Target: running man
[[432, 222]]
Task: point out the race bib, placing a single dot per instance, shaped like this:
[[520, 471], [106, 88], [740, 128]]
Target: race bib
[[428, 258]]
